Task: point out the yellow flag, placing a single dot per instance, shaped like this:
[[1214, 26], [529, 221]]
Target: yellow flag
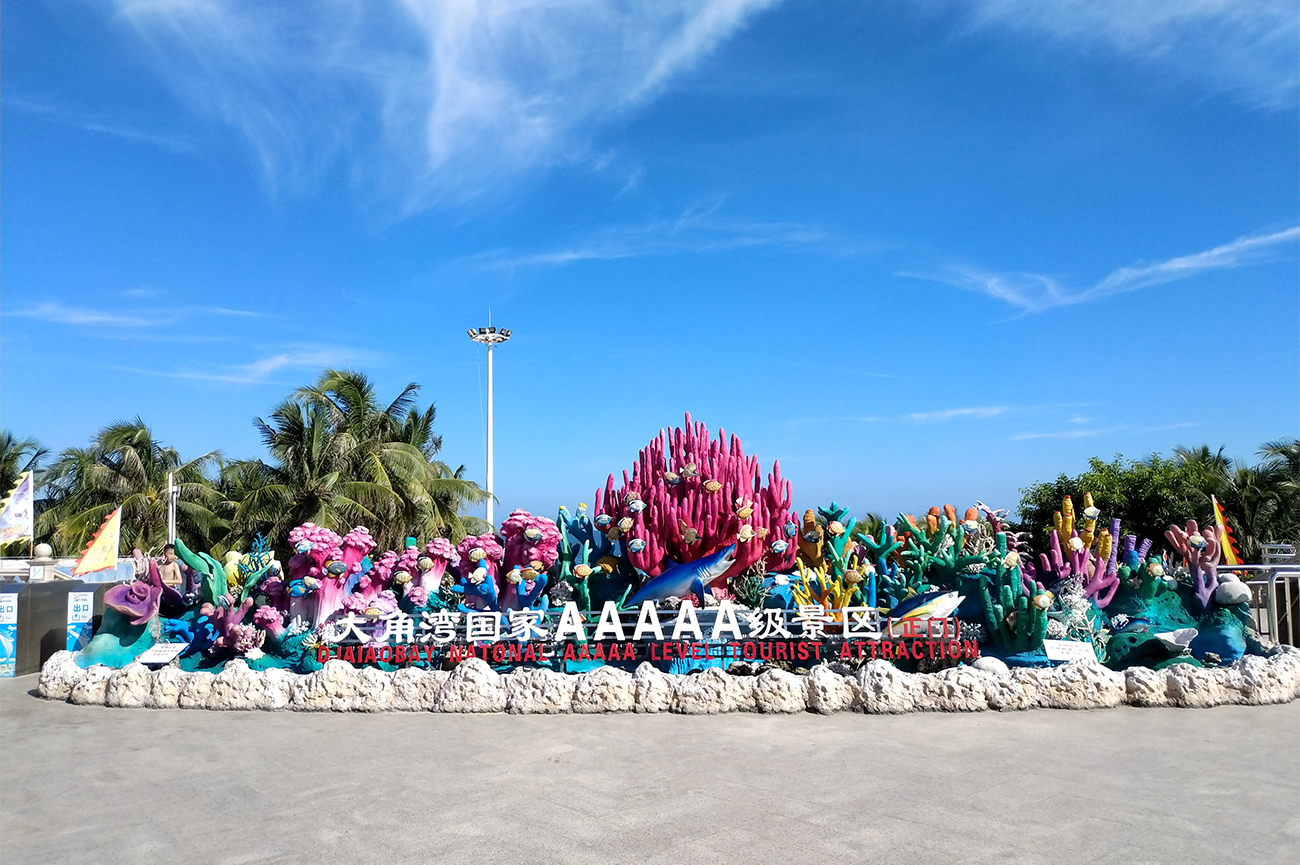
[[1226, 541], [101, 552]]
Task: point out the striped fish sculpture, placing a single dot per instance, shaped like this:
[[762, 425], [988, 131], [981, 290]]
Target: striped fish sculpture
[[920, 608]]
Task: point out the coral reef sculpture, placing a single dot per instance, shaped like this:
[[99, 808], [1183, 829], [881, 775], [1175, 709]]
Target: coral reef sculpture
[[697, 562]]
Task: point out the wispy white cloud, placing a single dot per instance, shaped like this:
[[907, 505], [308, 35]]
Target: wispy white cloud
[[1035, 292], [955, 413], [112, 323], [77, 120], [1247, 46], [238, 313], [1093, 432], [260, 371], [57, 313], [143, 292], [695, 230], [431, 100], [1066, 434]]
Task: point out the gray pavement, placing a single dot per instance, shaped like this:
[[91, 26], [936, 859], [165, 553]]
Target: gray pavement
[[1131, 786]]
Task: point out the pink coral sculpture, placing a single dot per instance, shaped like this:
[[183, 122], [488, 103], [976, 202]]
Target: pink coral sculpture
[[530, 539], [689, 496]]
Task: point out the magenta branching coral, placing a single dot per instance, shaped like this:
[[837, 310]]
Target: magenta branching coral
[[530, 539], [322, 545], [408, 562], [356, 545], [372, 582], [441, 555], [333, 581], [269, 619], [480, 551], [689, 496], [381, 604]]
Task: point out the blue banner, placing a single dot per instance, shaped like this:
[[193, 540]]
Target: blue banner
[[81, 609], [8, 633]]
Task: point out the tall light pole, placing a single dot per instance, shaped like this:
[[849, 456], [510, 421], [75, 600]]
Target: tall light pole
[[173, 496], [489, 336]]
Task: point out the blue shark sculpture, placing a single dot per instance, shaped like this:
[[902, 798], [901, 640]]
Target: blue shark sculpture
[[683, 579]]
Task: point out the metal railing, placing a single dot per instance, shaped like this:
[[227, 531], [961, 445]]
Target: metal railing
[[24, 569], [1274, 599]]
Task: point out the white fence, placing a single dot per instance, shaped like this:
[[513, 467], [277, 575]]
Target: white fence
[[61, 569]]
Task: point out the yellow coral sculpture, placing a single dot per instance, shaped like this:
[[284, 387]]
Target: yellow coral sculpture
[[817, 586], [1063, 520], [1104, 542], [1089, 522]]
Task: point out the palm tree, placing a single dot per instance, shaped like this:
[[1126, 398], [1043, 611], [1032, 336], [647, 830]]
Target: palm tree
[[1208, 472], [341, 457], [1259, 501], [17, 456], [1284, 456], [309, 479], [126, 466]]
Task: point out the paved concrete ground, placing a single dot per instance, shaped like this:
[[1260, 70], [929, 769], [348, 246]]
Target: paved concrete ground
[[1125, 786]]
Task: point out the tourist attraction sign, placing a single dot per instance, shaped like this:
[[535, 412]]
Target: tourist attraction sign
[[811, 633]]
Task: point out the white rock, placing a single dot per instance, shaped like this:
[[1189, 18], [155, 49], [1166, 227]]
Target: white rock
[[332, 688], [1194, 687], [91, 687], [991, 665], [1232, 592], [237, 688], [531, 691], [779, 692], [374, 690], [194, 695], [712, 692], [1034, 684], [654, 688], [472, 687], [1146, 687], [278, 693], [166, 687], [1013, 693], [129, 687], [605, 689], [956, 689], [829, 692], [59, 675], [1275, 679], [416, 690], [1083, 685], [883, 689]]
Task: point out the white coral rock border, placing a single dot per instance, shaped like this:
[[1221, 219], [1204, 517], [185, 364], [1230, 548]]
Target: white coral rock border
[[877, 688]]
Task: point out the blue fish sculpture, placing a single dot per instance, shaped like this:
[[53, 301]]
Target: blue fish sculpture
[[681, 580], [1133, 626], [919, 608]]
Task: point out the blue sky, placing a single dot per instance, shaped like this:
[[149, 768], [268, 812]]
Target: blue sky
[[919, 252]]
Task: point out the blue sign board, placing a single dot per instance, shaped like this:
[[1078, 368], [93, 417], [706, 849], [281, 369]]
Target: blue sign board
[[81, 609], [8, 633]]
